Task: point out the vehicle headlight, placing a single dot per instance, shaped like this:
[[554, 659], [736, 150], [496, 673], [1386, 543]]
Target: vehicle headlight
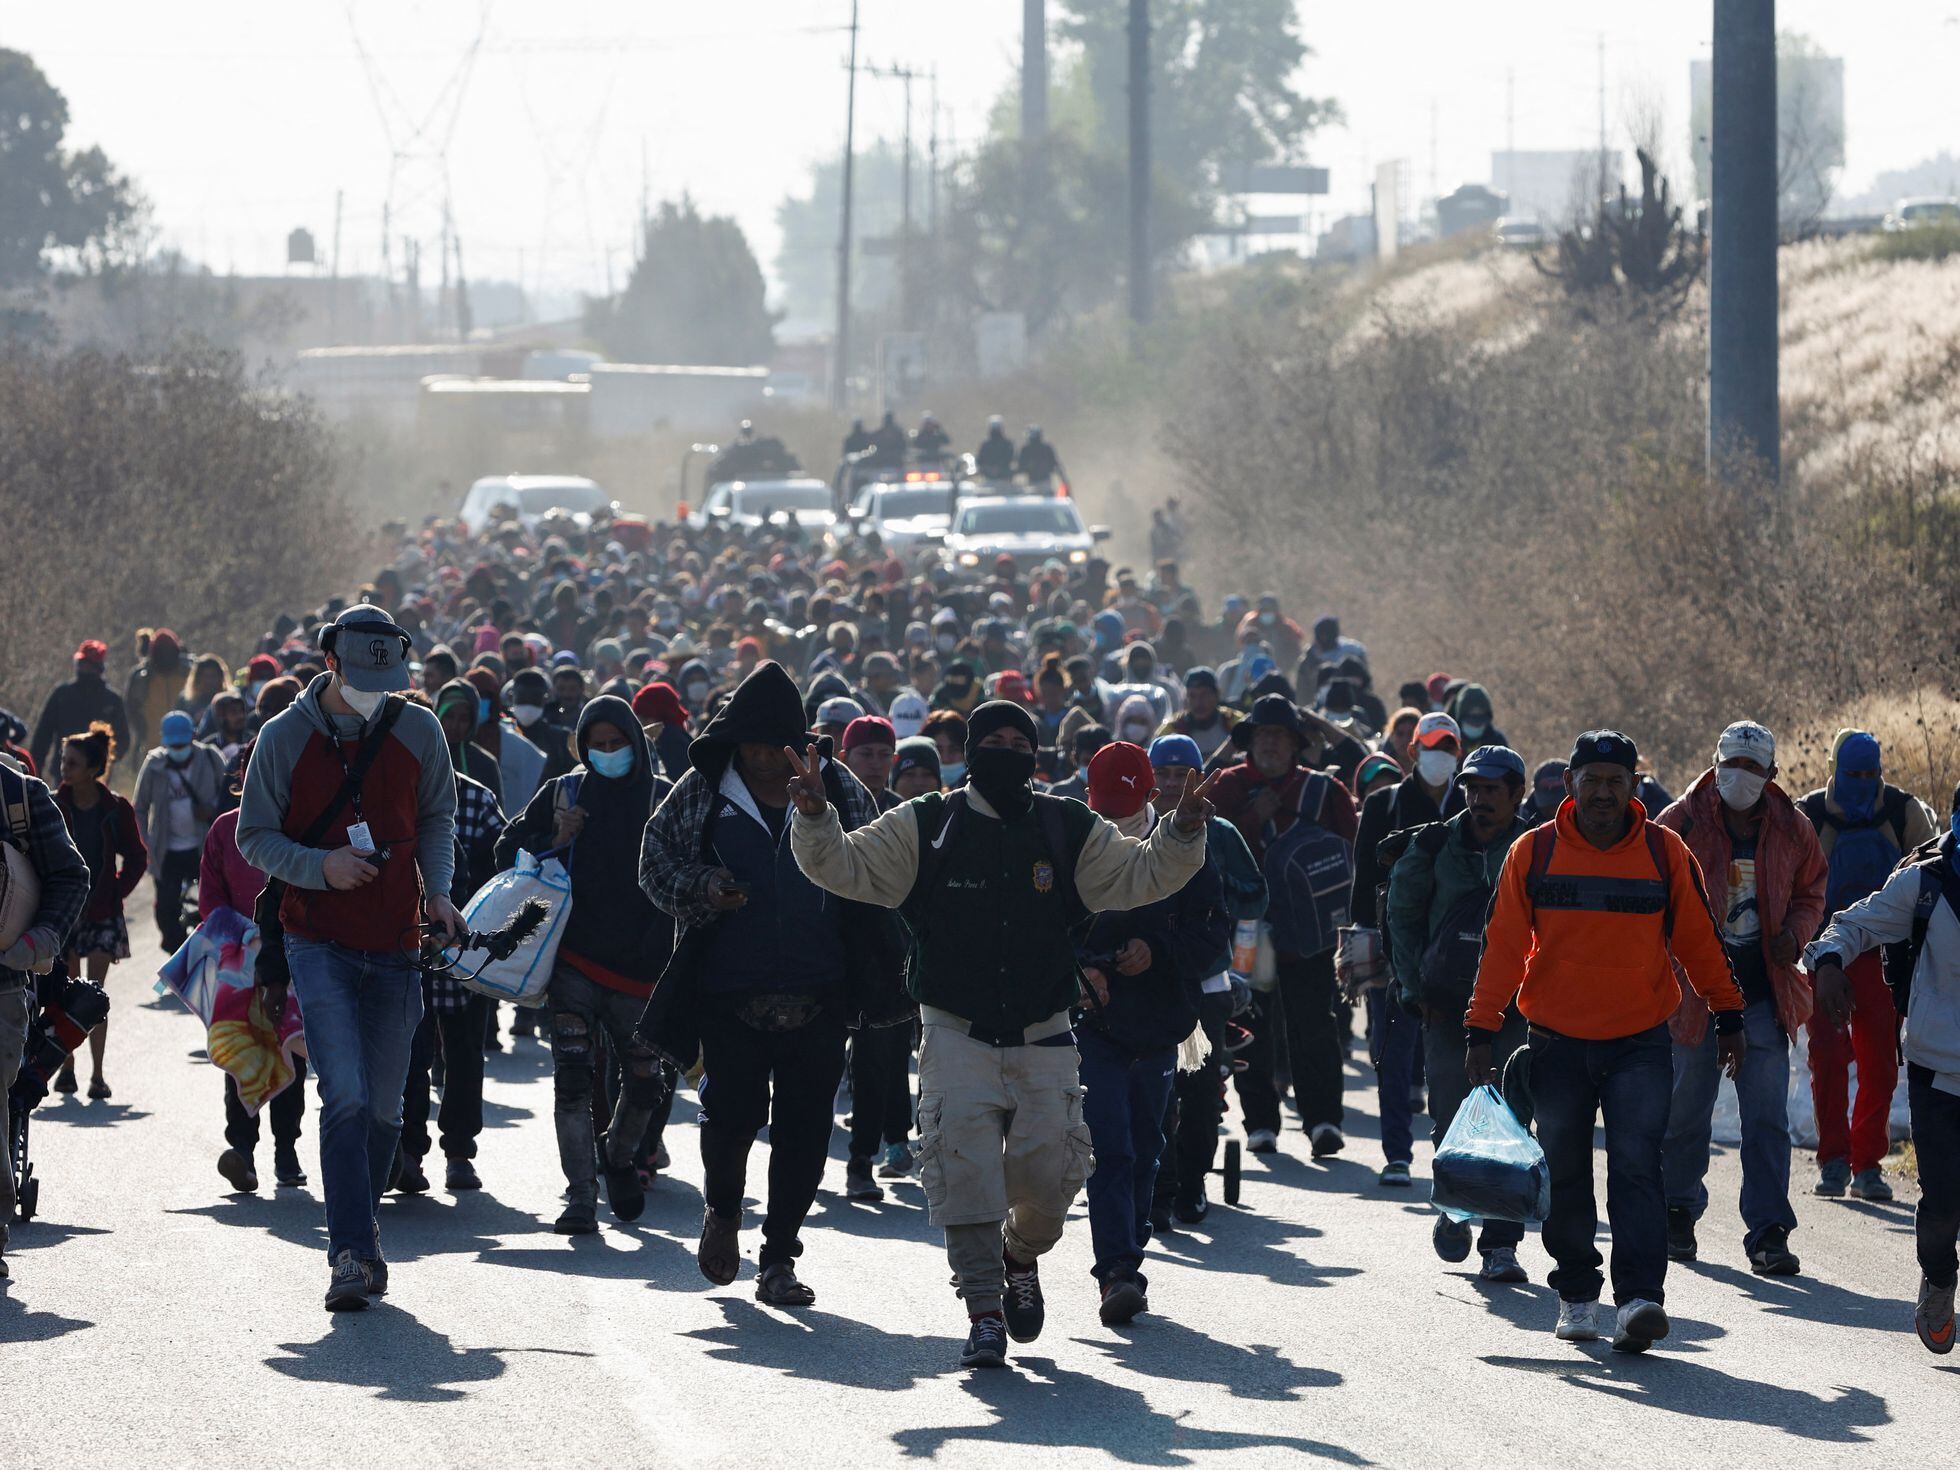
[[1078, 557], [969, 558]]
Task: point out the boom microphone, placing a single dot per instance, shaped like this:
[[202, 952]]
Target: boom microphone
[[505, 942]]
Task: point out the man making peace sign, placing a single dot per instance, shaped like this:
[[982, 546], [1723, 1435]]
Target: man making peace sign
[[992, 881]]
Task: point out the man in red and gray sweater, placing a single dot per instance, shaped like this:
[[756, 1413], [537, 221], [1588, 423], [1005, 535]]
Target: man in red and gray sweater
[[355, 898]]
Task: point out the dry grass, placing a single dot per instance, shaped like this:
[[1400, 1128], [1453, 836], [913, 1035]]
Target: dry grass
[[1919, 732]]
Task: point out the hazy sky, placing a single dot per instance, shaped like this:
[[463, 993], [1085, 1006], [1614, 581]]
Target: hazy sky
[[240, 120]]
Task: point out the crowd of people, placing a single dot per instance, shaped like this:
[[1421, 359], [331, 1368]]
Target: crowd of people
[[1042, 862]]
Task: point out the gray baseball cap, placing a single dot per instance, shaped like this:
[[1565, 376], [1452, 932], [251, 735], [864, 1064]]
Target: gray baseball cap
[[373, 652]]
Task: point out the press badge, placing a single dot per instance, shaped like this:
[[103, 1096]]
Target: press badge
[[359, 838]]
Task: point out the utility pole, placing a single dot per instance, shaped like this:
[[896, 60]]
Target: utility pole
[[1603, 188], [1139, 161], [932, 161], [905, 75], [465, 321], [1510, 134], [841, 341], [1034, 99], [333, 272], [1744, 419]]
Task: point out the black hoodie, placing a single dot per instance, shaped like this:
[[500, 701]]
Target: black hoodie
[[765, 709], [613, 923]]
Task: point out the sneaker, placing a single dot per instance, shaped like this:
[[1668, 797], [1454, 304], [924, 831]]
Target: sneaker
[[1934, 1319], [986, 1342], [1191, 1209], [858, 1183], [1640, 1325], [347, 1288], [377, 1274], [1832, 1177], [1262, 1141], [1395, 1172], [1326, 1140], [898, 1162], [1772, 1256], [1022, 1301], [580, 1217], [286, 1168], [4, 1272], [1501, 1264], [1870, 1184], [236, 1165], [411, 1179], [662, 1159], [1681, 1244], [460, 1174], [1451, 1238], [1163, 1219], [1577, 1322], [1122, 1301]]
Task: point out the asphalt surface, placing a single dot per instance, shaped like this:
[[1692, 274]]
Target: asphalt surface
[[154, 1319]]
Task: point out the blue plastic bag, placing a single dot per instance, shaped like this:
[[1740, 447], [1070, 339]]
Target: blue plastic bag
[[1489, 1167]]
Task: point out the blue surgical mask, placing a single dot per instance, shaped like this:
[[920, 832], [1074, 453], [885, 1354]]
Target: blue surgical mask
[[612, 764], [1474, 731], [483, 709], [952, 772]]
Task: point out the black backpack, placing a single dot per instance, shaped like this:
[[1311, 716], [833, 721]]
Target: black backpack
[[1309, 876], [1431, 838], [1936, 878]]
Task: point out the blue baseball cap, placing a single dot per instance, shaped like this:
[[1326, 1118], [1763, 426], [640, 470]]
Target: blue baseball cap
[[176, 729], [1175, 750], [1493, 763]]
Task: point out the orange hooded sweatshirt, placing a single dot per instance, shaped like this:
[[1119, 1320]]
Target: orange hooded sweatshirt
[[1594, 967]]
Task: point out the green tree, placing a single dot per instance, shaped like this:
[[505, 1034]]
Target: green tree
[[695, 295], [806, 262], [1221, 82], [51, 198]]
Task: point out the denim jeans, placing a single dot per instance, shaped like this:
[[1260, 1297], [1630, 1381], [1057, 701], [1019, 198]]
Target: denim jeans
[[1936, 1139], [1124, 1108], [1394, 1038], [361, 1011], [1763, 1090], [1629, 1080], [1442, 1053]]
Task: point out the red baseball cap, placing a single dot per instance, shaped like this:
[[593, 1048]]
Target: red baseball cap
[[1120, 780], [869, 730]]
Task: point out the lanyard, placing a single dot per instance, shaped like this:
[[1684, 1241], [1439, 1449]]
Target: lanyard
[[353, 786]]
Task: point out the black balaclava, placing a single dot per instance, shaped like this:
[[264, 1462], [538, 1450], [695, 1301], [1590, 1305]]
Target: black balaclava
[[1000, 775]]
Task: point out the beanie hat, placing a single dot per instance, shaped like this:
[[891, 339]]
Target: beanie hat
[[916, 753], [869, 730], [1120, 780], [1000, 714], [659, 703]]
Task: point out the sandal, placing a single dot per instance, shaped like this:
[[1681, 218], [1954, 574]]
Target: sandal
[[64, 1080], [98, 1089], [777, 1286], [720, 1252]]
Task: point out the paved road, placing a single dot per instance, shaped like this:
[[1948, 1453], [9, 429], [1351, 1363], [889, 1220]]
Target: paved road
[[154, 1320]]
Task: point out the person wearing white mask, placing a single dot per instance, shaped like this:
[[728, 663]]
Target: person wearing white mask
[[1766, 877]]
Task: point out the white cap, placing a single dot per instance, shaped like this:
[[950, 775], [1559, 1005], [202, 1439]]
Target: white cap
[[908, 714], [1748, 739]]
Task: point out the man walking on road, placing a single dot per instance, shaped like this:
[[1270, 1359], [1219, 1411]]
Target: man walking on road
[[1918, 907], [992, 882], [1761, 858], [1439, 892], [350, 804], [1593, 911], [1864, 826]]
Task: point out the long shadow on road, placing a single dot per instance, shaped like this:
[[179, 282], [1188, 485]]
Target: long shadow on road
[[18, 1323], [1165, 1349], [1037, 1403], [389, 1351], [1672, 1385], [1244, 1242], [1811, 1299], [824, 1347]]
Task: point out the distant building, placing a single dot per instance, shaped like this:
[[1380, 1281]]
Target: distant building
[[1554, 186], [1471, 207]]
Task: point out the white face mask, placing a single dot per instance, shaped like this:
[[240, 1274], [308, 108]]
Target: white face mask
[[1435, 767], [527, 715], [1136, 733], [1740, 789], [1474, 732], [361, 702]]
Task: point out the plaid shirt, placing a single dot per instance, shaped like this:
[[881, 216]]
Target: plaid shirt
[[64, 875], [479, 822]]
